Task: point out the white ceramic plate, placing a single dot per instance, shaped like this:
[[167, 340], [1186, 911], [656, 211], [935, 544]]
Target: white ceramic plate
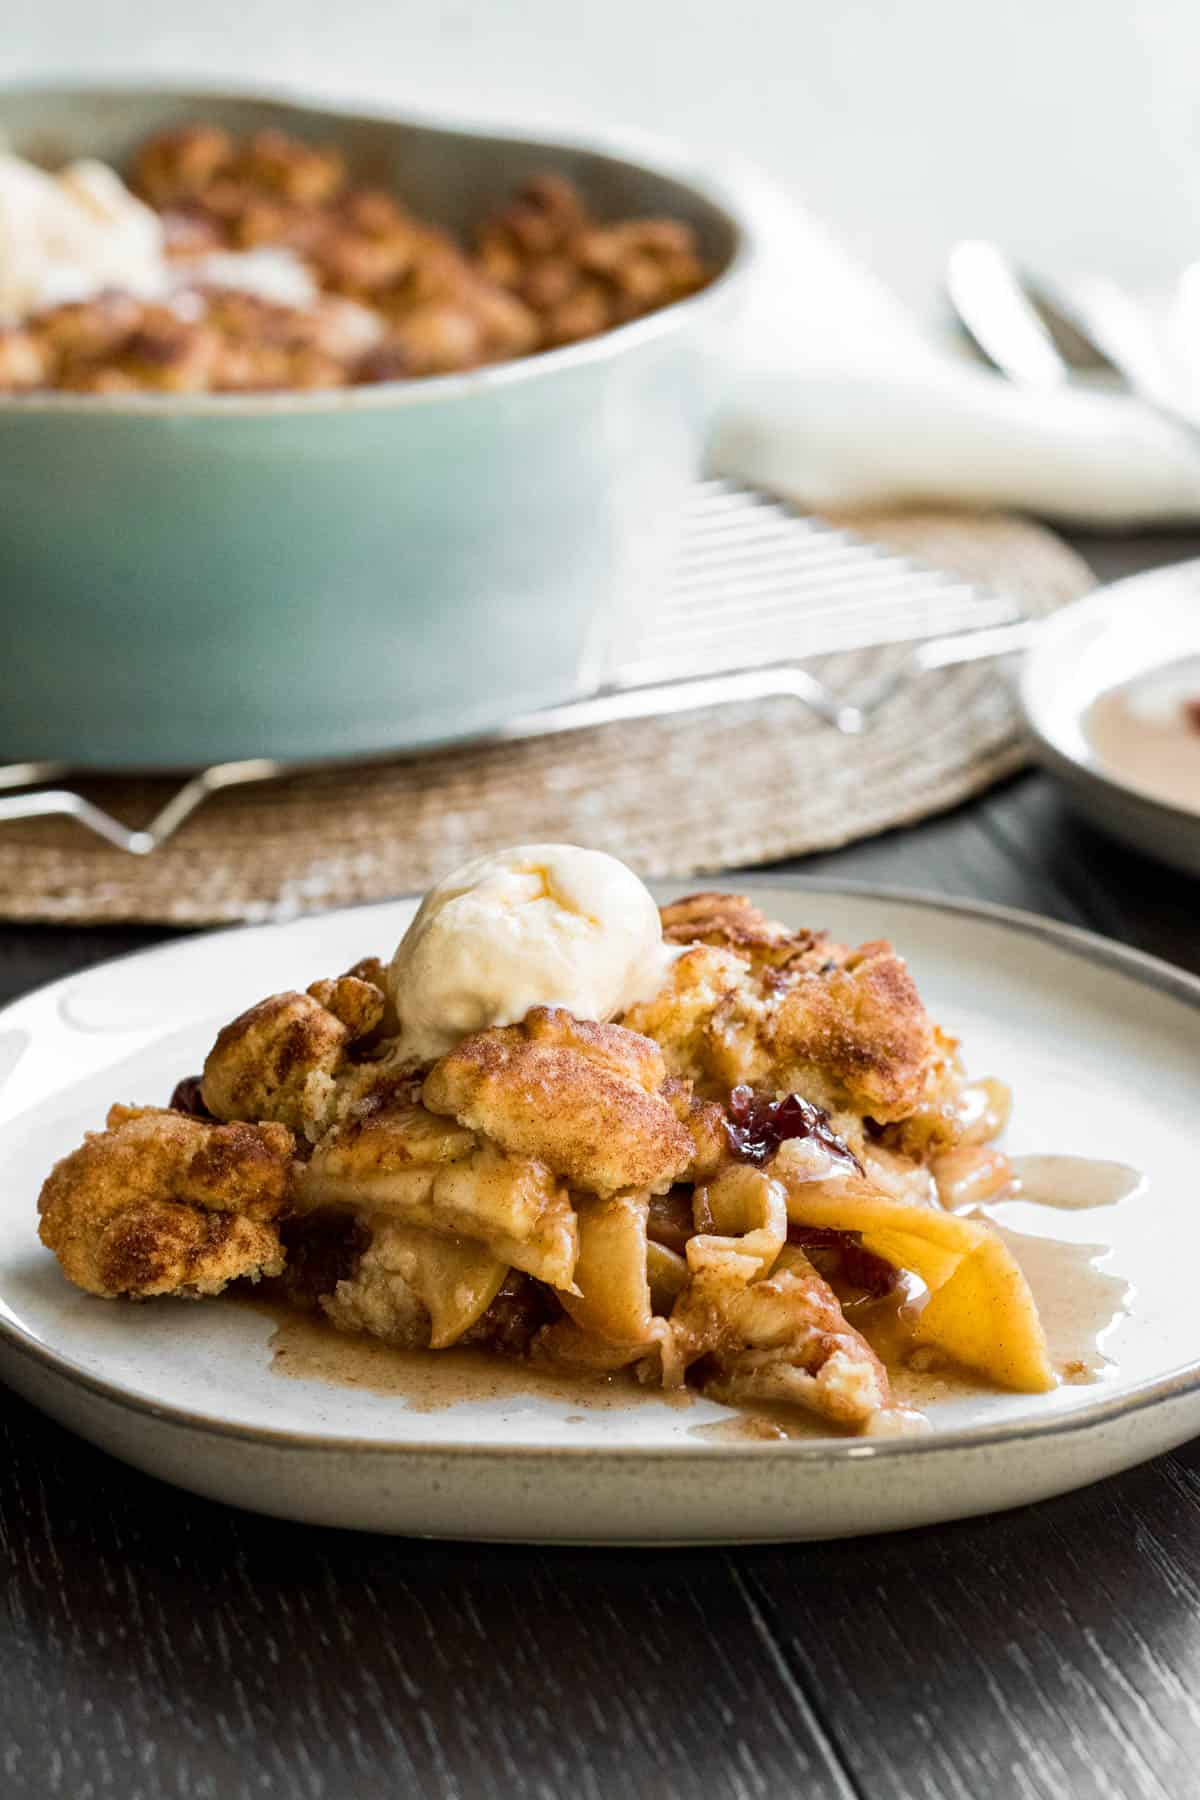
[[1080, 652], [1102, 1047]]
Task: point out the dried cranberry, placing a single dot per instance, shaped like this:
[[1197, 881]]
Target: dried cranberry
[[757, 1125], [189, 1098], [858, 1266]]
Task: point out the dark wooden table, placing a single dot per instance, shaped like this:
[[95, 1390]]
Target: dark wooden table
[[153, 1645]]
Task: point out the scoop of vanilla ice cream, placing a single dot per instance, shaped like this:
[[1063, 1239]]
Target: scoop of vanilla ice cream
[[70, 236], [538, 925], [271, 272], [75, 234]]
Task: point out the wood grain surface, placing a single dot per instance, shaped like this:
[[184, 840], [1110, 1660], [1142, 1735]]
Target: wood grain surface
[[157, 1647]]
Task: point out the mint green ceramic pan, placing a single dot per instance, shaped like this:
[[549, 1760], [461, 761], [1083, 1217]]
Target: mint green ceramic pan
[[187, 580]]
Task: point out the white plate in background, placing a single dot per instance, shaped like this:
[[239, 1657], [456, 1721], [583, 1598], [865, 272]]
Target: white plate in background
[[1119, 632]]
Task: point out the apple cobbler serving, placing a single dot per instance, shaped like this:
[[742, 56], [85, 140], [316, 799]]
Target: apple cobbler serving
[[241, 264], [564, 1126]]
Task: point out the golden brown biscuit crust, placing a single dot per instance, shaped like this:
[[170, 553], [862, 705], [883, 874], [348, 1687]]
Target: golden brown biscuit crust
[[285, 1058], [162, 1203], [755, 1003], [581, 1097], [857, 1033], [357, 1003], [732, 922], [276, 1061]]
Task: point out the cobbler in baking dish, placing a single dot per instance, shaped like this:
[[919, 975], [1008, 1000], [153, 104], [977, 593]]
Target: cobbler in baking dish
[[244, 264], [566, 1127]]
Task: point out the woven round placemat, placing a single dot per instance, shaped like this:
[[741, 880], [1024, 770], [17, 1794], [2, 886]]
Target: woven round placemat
[[674, 796]]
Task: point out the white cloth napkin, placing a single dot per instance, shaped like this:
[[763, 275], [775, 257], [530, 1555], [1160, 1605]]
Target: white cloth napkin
[[839, 400]]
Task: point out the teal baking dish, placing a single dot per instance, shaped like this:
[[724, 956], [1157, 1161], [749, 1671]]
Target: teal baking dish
[[195, 579]]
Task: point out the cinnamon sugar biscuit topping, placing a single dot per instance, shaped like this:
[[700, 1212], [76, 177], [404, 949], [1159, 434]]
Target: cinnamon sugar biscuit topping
[[162, 1204], [583, 1098]]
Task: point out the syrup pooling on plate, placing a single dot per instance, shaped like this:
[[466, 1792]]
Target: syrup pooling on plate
[[1146, 732], [1079, 1302], [306, 1347], [1073, 1183]]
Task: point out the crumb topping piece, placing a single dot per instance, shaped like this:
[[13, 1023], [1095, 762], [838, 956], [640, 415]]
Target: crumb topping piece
[[754, 1004], [164, 1204], [584, 1098]]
